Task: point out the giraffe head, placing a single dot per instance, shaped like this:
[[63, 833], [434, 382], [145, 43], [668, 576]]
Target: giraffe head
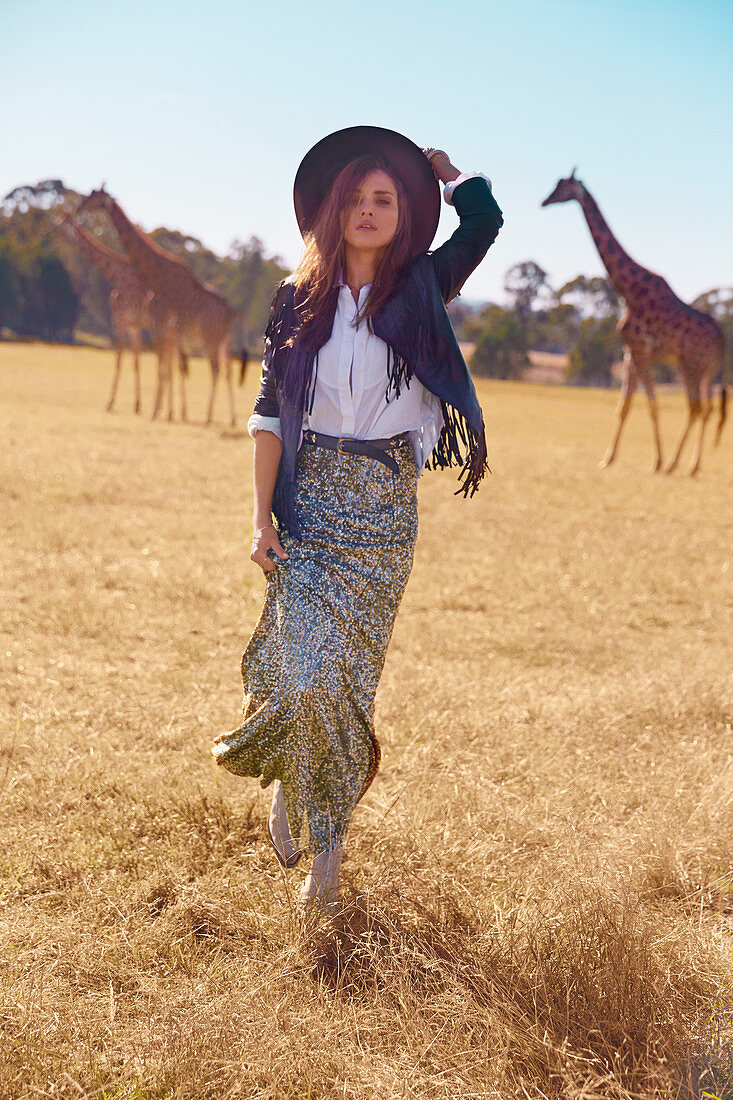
[[565, 190], [96, 200]]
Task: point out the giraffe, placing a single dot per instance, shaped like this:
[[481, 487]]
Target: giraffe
[[134, 306], [191, 305], [128, 300], [655, 325]]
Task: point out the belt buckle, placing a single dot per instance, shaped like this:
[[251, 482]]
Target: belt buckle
[[339, 448]]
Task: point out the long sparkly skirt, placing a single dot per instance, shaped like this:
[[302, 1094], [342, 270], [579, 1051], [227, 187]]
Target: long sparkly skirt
[[313, 663]]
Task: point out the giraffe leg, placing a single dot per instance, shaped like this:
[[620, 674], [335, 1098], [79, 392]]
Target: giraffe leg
[[654, 414], [118, 333], [694, 410], [115, 378], [169, 383], [706, 408], [182, 376], [136, 364], [627, 396], [648, 382], [214, 360], [622, 413], [230, 386], [172, 360], [164, 370], [159, 382]]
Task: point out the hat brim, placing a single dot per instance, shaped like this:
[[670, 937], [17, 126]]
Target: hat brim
[[321, 164]]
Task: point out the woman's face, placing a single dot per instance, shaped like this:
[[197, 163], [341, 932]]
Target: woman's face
[[372, 217]]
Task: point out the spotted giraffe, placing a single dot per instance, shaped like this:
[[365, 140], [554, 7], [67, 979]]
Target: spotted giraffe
[[133, 306], [192, 307], [656, 326]]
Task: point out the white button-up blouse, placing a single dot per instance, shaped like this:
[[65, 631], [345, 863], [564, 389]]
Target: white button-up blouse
[[348, 392]]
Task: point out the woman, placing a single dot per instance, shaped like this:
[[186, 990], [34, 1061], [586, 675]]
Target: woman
[[363, 384]]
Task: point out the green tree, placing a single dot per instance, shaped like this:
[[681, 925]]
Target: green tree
[[40, 196], [9, 289], [47, 305], [58, 303], [592, 297], [556, 328], [501, 349], [597, 347], [523, 283]]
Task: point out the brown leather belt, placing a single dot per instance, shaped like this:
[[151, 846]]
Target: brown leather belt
[[371, 448]]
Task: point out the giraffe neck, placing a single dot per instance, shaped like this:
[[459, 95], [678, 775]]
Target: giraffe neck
[[114, 267], [152, 263], [623, 272]]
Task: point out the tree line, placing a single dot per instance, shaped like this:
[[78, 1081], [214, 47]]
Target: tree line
[[579, 319], [49, 290]]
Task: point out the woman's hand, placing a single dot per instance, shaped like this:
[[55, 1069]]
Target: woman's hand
[[440, 163], [265, 538]]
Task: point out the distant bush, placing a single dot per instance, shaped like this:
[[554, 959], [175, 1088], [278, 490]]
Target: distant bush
[[37, 296], [597, 347], [501, 349]]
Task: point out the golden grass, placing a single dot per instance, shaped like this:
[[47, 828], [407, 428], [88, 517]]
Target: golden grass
[[540, 896]]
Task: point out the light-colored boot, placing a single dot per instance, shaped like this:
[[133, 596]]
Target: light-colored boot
[[279, 830], [322, 887]]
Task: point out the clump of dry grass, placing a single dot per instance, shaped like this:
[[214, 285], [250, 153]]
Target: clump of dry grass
[[539, 881], [584, 992]]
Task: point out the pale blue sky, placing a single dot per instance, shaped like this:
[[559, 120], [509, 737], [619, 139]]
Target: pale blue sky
[[197, 114]]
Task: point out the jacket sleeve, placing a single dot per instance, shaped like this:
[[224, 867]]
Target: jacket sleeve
[[267, 403], [481, 220]]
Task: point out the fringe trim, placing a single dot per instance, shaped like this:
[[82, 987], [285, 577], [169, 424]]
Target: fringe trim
[[399, 374], [457, 433], [292, 365]]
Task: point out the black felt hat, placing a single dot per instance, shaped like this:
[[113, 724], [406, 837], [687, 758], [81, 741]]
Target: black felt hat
[[321, 164]]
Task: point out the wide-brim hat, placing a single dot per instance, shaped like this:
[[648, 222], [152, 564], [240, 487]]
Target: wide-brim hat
[[321, 164]]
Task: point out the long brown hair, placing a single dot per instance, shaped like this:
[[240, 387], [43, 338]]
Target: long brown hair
[[323, 262]]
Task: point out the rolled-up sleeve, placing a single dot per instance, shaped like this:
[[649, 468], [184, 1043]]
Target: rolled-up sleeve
[[450, 187], [257, 423]]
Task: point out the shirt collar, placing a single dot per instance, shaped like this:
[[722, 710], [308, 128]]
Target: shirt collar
[[342, 282]]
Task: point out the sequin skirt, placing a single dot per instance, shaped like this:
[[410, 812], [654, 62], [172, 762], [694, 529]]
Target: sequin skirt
[[314, 661]]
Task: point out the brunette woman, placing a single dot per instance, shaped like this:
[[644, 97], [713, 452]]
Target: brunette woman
[[363, 385]]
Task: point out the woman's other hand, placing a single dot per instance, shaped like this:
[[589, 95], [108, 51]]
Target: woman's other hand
[[440, 163], [264, 539]]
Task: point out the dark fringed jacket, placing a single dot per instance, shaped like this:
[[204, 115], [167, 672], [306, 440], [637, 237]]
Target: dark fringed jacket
[[414, 324]]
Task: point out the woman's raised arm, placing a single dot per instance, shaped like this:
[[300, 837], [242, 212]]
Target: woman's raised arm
[[481, 220]]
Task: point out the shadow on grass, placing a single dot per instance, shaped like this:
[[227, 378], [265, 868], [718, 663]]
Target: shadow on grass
[[586, 992]]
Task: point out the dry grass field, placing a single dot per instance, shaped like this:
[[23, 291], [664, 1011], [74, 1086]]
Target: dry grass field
[[540, 880]]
